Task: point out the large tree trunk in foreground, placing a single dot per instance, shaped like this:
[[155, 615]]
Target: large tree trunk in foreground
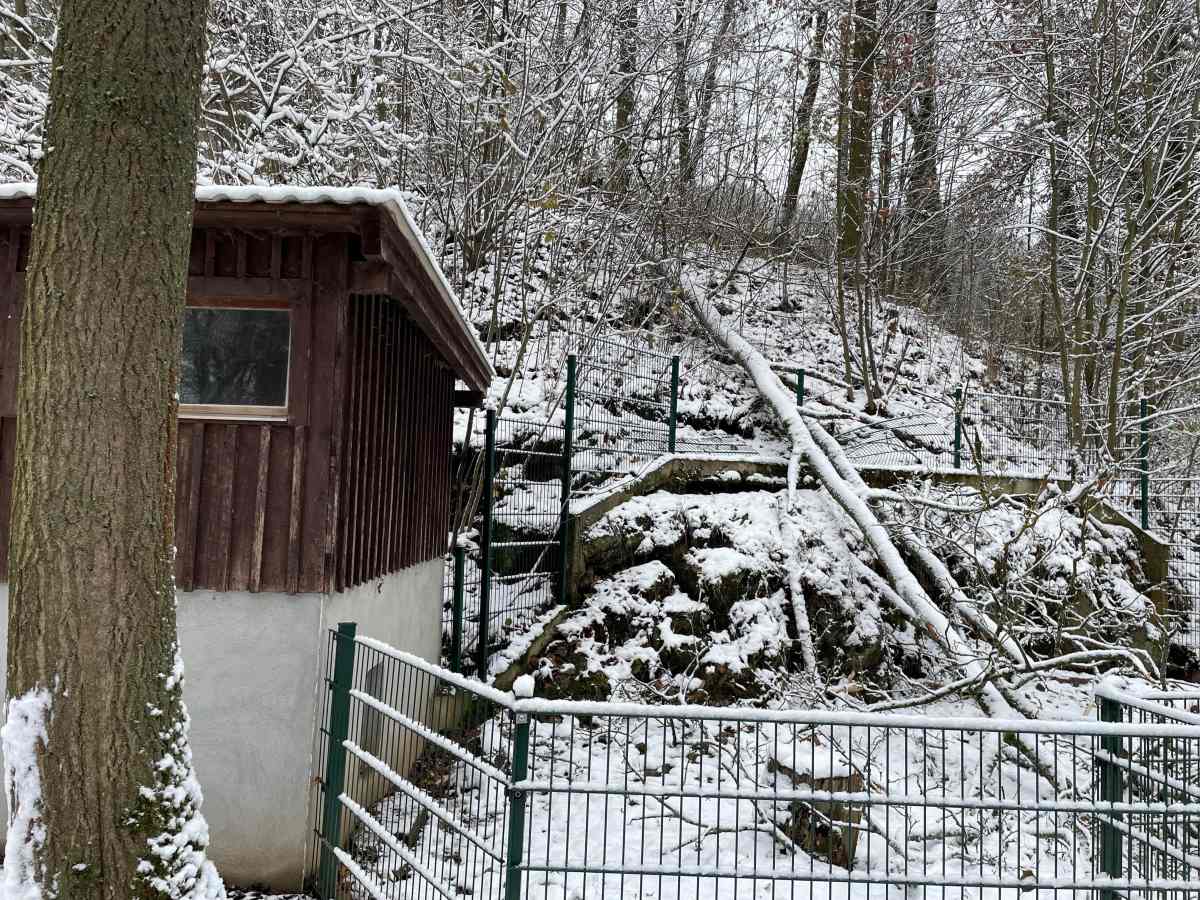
[[97, 744]]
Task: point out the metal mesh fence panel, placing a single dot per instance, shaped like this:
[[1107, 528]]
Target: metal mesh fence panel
[[525, 559], [453, 789], [626, 400], [916, 441], [416, 834], [1159, 769], [1016, 435], [813, 805], [526, 519], [1174, 515], [622, 406]]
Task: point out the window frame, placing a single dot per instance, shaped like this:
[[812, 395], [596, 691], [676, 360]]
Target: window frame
[[294, 410]]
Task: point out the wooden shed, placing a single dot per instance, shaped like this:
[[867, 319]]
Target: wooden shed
[[323, 353]]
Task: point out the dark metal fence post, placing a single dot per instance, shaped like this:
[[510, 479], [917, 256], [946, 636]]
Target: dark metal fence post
[[1144, 453], [800, 388], [456, 626], [564, 523], [516, 808], [672, 421], [1112, 790], [958, 395], [335, 759], [485, 546]]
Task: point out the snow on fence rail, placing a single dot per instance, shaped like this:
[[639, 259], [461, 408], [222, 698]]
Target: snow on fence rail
[[438, 786]]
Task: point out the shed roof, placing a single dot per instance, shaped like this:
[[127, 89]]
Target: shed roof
[[474, 366]]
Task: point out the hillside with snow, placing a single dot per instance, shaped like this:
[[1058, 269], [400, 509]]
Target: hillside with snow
[[702, 593]]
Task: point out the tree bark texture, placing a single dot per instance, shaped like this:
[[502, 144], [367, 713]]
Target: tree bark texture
[[857, 183], [627, 47], [925, 245], [802, 125], [92, 609], [682, 102]]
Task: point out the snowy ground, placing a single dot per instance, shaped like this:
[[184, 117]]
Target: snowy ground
[[718, 408], [236, 893], [649, 794]]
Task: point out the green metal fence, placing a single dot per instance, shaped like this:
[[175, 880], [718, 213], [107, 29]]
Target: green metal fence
[[447, 788], [620, 410], [1174, 513], [1161, 769], [511, 567], [625, 398], [1005, 434]]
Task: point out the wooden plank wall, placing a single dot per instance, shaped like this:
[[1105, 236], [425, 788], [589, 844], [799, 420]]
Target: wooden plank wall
[[14, 255], [395, 491], [346, 490], [253, 501]]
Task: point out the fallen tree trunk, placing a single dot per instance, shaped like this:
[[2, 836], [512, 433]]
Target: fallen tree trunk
[[813, 444]]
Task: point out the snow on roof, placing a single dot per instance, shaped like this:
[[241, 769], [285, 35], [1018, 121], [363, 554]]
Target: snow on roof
[[389, 200]]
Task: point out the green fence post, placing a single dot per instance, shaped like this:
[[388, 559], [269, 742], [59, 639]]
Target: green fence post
[[1144, 453], [485, 545], [564, 522], [335, 759], [800, 388], [958, 395], [516, 809], [1112, 790], [674, 417], [456, 626]]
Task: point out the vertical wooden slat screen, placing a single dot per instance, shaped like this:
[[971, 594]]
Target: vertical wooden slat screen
[[398, 417]]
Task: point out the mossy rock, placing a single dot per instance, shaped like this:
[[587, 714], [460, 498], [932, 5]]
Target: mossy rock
[[722, 686], [721, 576], [574, 681]]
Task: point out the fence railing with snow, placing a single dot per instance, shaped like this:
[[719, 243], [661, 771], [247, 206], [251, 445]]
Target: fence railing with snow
[[450, 788]]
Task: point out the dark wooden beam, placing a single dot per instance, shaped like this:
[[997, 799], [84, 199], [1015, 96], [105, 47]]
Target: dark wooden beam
[[214, 288], [369, 277], [316, 216], [369, 232], [11, 213]]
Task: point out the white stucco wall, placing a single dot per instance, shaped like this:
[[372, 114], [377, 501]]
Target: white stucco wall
[[254, 669], [390, 606], [251, 693]]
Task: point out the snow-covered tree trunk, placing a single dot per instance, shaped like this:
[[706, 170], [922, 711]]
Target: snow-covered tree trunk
[[812, 444], [103, 799]]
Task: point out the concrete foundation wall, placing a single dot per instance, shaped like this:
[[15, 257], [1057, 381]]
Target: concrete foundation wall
[[254, 673], [396, 611]]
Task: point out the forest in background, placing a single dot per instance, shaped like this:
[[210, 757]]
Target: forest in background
[[1024, 173]]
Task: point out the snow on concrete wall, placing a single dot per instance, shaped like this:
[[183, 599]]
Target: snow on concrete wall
[[254, 670]]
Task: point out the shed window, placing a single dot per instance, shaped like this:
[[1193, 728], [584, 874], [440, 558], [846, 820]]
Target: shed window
[[235, 362]]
